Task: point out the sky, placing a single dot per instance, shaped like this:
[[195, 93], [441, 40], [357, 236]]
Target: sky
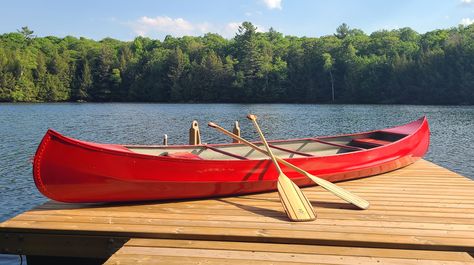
[[125, 20]]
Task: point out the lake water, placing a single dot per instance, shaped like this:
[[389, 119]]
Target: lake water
[[23, 125]]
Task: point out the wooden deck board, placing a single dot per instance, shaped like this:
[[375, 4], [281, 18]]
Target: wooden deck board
[[422, 207], [156, 251]]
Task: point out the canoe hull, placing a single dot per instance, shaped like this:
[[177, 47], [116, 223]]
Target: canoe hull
[[70, 170]]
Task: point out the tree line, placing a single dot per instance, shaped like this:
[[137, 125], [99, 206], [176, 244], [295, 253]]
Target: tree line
[[396, 66]]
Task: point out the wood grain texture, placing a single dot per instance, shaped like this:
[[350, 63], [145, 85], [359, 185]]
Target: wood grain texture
[[156, 251]]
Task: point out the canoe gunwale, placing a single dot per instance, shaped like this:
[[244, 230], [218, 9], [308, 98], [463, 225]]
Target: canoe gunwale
[[99, 147]]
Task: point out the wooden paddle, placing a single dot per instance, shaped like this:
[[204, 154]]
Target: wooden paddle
[[297, 206], [336, 190]]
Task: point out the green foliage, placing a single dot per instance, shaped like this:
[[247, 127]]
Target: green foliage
[[342, 31], [396, 66]]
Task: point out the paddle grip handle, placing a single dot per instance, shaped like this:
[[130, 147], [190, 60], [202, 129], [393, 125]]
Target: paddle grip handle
[[252, 117]]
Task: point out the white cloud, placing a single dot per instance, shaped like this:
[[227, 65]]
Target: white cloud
[[467, 2], [466, 21], [276, 4], [163, 25]]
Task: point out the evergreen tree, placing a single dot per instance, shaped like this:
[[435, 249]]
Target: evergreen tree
[[83, 82]]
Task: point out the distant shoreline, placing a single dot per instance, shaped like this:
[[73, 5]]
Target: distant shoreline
[[231, 103]]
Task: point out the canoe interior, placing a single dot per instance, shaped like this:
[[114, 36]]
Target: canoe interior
[[323, 146]]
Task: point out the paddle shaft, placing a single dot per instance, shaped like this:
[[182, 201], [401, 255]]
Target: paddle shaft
[[336, 190], [269, 151], [297, 206]]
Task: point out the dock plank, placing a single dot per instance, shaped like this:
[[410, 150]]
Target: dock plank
[[422, 208], [156, 251]]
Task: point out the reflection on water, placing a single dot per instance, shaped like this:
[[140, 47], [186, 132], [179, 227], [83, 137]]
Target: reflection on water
[[23, 125]]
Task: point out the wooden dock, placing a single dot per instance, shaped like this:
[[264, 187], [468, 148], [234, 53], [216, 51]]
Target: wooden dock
[[421, 214]]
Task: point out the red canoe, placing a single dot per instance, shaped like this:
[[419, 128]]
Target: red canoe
[[70, 170]]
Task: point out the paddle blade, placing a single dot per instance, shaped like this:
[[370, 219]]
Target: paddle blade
[[252, 117], [340, 192], [212, 125], [296, 205]]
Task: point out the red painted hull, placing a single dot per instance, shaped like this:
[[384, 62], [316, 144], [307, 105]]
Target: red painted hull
[[70, 170]]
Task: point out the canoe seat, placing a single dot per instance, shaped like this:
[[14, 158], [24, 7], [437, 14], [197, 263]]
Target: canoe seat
[[183, 155], [370, 142]]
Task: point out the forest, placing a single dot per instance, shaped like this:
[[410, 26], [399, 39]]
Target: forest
[[386, 67]]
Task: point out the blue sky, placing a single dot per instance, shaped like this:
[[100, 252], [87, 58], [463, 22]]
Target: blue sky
[[125, 20]]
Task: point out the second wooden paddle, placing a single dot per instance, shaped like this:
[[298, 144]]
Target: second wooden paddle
[[336, 190]]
